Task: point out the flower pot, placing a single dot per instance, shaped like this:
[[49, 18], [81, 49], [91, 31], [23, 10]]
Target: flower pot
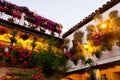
[[97, 55]]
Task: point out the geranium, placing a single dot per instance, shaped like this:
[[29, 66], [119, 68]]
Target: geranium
[[18, 56], [16, 15], [97, 38], [104, 40]]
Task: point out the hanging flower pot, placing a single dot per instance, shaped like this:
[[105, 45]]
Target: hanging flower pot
[[13, 39], [97, 54], [24, 36], [75, 62]]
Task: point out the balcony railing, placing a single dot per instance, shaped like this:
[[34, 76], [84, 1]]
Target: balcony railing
[[23, 16]]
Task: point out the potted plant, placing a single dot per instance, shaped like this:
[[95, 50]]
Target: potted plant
[[24, 36], [51, 64], [90, 70], [12, 38], [97, 53]]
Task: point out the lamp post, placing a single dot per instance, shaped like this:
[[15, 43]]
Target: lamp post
[[89, 61], [86, 47]]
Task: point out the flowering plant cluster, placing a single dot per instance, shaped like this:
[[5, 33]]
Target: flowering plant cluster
[[101, 37], [24, 36], [106, 34], [3, 30], [15, 56], [23, 57], [26, 74], [104, 40], [16, 12], [76, 51]]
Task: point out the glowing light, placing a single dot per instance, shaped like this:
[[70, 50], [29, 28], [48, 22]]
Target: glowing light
[[86, 46], [104, 26]]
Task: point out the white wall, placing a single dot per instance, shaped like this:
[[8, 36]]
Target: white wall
[[107, 56]]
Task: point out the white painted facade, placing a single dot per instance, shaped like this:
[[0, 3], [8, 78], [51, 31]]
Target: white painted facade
[[107, 56]]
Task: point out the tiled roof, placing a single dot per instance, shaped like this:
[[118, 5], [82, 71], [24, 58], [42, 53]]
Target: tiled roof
[[102, 9]]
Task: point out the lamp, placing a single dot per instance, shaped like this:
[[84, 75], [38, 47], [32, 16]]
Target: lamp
[[86, 46], [104, 26]]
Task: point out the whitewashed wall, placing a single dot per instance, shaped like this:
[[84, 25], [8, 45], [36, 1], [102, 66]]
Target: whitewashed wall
[[107, 56]]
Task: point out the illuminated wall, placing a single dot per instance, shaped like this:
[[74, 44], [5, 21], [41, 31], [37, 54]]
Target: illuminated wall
[[107, 56], [42, 43], [112, 73]]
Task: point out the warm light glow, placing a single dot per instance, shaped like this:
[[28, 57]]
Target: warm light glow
[[104, 26], [86, 45]]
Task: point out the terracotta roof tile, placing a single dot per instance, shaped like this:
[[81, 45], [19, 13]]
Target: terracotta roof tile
[[102, 9]]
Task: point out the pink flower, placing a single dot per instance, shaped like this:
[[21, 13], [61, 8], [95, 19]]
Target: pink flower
[[36, 69], [1, 55], [29, 53], [32, 75], [13, 62], [25, 62], [20, 59]]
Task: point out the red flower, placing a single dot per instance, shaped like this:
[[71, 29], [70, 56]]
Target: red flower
[[20, 59], [30, 53], [25, 62], [3, 30], [1, 55], [36, 69]]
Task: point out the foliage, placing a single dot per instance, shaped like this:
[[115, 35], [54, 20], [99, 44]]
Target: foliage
[[34, 43], [89, 61], [65, 42], [12, 38], [1, 53], [114, 18], [78, 35], [104, 38], [90, 69], [50, 63], [27, 74], [33, 18], [113, 14], [98, 17], [76, 51], [91, 30]]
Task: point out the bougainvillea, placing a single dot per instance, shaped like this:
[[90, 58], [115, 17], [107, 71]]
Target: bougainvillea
[[16, 12]]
